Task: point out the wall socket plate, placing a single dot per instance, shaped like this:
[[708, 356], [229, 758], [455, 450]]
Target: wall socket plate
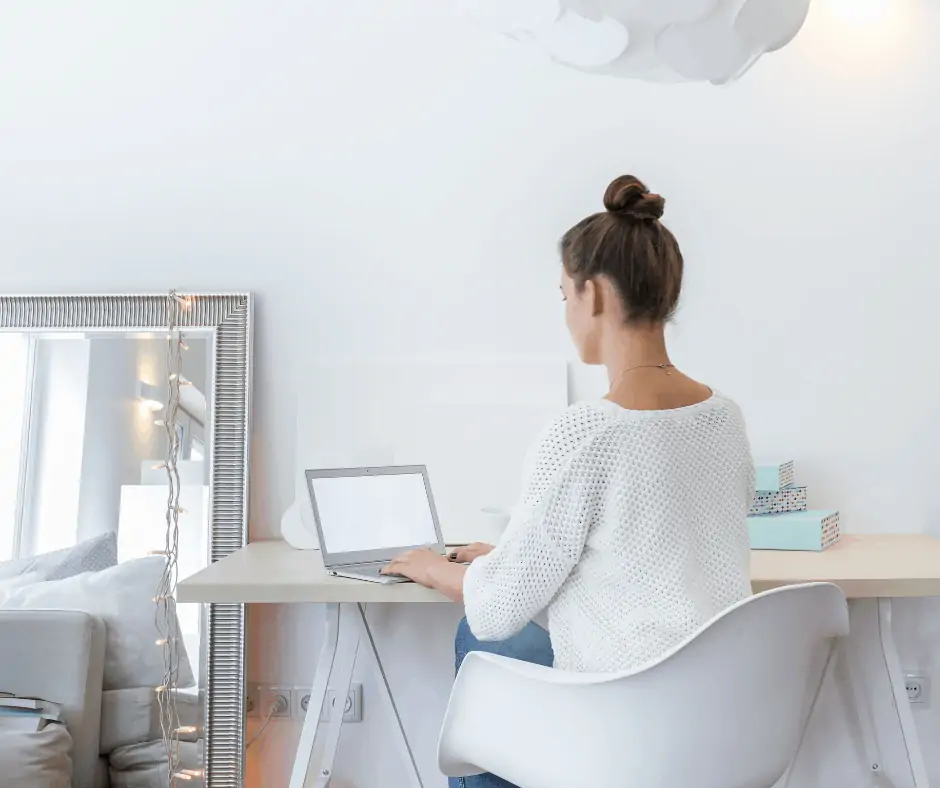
[[918, 687], [352, 709], [270, 696], [258, 699]]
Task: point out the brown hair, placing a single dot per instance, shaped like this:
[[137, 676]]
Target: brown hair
[[628, 244]]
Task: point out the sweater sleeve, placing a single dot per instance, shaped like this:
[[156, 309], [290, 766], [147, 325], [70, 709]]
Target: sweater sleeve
[[505, 590]]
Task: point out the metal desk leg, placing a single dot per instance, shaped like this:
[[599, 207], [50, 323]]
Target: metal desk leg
[[339, 683], [342, 639], [902, 706], [386, 691], [860, 710], [345, 624], [303, 760], [824, 679]]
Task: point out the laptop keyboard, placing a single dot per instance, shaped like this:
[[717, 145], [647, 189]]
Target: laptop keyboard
[[367, 569]]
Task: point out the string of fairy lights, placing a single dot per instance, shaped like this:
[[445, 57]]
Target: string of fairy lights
[[165, 619]]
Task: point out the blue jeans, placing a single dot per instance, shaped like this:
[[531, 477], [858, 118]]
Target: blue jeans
[[530, 645]]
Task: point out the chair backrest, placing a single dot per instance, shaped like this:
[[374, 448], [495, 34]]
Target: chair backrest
[[727, 707]]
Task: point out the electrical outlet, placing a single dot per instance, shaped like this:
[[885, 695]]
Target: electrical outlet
[[918, 687], [275, 701], [352, 711]]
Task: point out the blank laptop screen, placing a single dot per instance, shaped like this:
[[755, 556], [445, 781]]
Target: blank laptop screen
[[373, 512]]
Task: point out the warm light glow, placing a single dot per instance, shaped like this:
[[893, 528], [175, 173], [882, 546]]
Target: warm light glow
[[150, 405], [860, 12], [187, 729]]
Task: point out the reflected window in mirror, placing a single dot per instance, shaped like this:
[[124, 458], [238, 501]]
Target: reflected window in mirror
[[14, 401]]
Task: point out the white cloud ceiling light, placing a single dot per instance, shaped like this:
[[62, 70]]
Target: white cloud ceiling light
[[658, 40]]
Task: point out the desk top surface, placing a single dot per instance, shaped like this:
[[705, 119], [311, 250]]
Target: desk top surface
[[895, 565]]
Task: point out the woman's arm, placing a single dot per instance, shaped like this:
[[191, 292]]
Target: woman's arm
[[508, 588], [447, 578]]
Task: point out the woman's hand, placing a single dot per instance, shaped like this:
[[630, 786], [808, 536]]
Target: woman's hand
[[416, 565], [469, 553]]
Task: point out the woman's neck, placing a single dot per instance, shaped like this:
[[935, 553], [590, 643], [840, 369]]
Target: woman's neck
[[632, 347]]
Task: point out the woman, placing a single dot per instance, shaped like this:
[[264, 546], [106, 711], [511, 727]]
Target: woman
[[632, 529]]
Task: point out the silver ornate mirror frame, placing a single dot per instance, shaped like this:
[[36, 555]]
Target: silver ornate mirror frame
[[229, 318]]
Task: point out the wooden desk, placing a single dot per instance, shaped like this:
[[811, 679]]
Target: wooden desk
[[865, 567]]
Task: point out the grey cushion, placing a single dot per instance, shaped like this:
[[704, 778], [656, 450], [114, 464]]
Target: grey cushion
[[37, 760], [43, 564], [92, 555]]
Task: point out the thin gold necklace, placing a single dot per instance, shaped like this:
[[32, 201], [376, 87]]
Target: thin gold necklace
[[664, 367]]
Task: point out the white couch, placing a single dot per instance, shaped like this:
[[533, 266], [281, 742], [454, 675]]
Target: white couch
[[59, 656]]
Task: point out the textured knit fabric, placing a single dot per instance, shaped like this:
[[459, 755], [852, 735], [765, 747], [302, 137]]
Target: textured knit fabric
[[631, 533]]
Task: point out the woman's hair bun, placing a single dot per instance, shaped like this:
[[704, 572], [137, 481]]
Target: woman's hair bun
[[628, 196]]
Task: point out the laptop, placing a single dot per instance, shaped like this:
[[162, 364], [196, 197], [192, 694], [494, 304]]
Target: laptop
[[365, 517]]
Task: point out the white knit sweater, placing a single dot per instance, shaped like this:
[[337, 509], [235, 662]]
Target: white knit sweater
[[631, 533]]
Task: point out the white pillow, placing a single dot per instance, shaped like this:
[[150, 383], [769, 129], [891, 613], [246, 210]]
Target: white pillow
[[122, 597], [10, 584], [37, 760]]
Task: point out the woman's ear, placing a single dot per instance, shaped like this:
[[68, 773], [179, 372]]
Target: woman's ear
[[594, 296]]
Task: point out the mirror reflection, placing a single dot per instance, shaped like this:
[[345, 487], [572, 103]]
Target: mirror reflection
[[83, 508]]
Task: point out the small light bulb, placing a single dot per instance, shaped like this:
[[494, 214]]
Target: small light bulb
[[163, 642], [158, 467], [161, 689], [187, 729], [160, 423]]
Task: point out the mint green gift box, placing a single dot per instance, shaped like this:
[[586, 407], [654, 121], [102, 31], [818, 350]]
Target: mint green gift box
[[770, 478], [813, 530]]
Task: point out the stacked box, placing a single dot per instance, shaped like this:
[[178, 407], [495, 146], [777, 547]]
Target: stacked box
[[778, 518], [772, 478], [810, 530], [792, 499]]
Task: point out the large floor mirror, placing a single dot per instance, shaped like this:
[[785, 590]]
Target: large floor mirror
[[83, 517]]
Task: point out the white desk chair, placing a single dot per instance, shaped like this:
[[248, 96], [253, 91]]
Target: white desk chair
[[725, 709]]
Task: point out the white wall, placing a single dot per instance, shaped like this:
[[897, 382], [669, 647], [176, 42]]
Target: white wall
[[112, 421], [390, 181]]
